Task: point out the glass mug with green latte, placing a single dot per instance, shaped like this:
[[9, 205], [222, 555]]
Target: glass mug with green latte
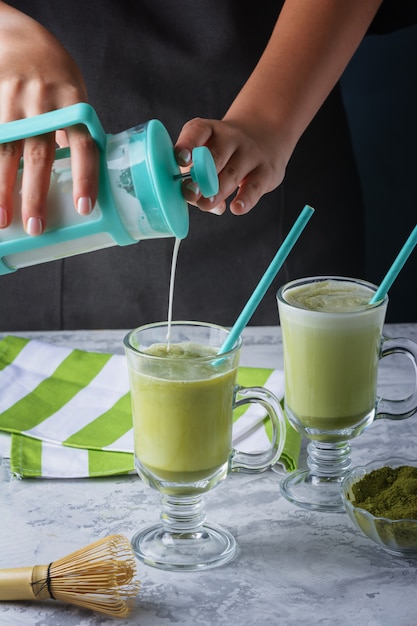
[[332, 342], [183, 395]]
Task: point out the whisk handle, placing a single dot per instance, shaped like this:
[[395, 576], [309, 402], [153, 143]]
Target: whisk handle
[[15, 583], [24, 583]]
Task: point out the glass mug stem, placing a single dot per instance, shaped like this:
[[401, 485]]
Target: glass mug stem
[[328, 461], [182, 515]]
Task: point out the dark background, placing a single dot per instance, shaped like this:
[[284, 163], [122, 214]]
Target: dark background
[[173, 61], [380, 94]]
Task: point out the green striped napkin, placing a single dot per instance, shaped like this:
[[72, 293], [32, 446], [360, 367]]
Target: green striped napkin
[[69, 416]]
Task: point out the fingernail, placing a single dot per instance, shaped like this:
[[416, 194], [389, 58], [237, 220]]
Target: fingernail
[[193, 187], [3, 217], [218, 210], [185, 155], [84, 206], [240, 203], [34, 226]]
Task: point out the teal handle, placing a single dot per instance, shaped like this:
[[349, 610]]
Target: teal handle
[[80, 113], [109, 221]]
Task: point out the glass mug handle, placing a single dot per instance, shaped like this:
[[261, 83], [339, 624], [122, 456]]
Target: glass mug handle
[[254, 463], [404, 407]]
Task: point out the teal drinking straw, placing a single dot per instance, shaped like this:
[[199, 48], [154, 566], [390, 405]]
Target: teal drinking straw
[[267, 278], [396, 267]]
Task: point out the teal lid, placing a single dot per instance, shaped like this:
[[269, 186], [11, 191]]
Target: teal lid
[[154, 175], [157, 178]]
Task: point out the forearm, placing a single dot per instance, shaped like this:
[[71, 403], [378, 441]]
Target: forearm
[[312, 43]]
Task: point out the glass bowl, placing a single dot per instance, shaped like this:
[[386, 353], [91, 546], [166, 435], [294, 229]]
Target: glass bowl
[[396, 536]]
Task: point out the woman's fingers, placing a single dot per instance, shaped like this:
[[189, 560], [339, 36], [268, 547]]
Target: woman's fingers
[[10, 154], [38, 156], [85, 168]]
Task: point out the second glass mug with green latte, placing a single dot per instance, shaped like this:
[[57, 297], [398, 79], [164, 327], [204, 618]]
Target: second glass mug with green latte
[[183, 395], [332, 343]]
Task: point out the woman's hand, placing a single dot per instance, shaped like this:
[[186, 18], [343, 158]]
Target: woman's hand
[[247, 156], [38, 75], [253, 143]]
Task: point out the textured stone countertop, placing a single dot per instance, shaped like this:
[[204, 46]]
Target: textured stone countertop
[[294, 566]]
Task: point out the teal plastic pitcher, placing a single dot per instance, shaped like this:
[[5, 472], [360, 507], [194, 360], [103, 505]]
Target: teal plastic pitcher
[[139, 194]]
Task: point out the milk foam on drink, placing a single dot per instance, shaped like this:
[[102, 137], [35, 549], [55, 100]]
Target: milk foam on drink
[[331, 339], [330, 296], [182, 411]]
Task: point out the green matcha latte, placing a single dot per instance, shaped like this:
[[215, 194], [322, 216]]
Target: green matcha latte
[[331, 339]]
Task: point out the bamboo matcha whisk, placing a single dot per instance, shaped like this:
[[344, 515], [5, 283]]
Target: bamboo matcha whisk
[[101, 577]]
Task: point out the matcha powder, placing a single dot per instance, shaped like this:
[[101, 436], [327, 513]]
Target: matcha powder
[[388, 492]]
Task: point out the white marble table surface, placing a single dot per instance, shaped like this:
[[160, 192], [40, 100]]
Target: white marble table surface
[[294, 567]]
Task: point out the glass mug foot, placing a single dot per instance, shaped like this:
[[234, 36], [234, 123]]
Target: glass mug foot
[[312, 492], [317, 487], [183, 540], [209, 547]]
